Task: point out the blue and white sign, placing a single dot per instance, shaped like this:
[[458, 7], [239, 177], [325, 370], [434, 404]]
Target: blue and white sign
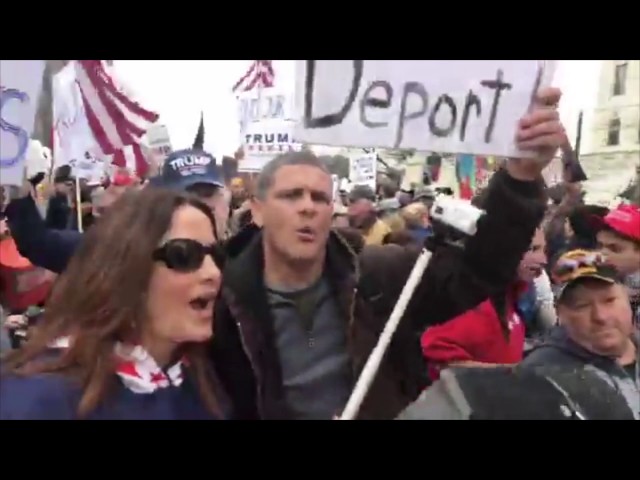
[[20, 85]]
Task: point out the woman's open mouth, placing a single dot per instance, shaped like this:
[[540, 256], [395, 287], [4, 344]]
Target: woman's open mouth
[[535, 271], [203, 302]]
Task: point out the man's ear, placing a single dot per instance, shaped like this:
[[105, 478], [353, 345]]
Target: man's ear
[[257, 208]]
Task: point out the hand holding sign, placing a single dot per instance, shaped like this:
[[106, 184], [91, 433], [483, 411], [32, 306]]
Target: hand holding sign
[[540, 131]]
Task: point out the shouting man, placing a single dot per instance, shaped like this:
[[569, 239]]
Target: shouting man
[[301, 312]]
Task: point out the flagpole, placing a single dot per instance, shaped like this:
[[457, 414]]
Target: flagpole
[[260, 86], [578, 136]]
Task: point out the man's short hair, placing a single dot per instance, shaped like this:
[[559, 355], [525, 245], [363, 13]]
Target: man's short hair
[[362, 192], [388, 188], [268, 173], [414, 213]]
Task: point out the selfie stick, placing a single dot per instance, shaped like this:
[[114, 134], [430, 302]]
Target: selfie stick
[[373, 363], [458, 216]]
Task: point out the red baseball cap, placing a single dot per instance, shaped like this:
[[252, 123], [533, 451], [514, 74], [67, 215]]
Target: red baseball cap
[[120, 179], [624, 220]]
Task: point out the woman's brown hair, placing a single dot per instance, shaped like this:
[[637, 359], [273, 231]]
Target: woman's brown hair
[[101, 299]]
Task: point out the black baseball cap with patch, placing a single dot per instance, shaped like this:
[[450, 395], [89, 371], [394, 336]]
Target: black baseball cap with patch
[[577, 265]]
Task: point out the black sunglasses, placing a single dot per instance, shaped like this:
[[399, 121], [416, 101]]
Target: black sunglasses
[[186, 255]]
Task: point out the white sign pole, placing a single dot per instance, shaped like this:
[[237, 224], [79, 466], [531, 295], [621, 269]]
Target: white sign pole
[[370, 369]]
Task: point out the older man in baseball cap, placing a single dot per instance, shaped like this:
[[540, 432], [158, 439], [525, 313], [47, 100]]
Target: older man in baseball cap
[[586, 369], [595, 324]]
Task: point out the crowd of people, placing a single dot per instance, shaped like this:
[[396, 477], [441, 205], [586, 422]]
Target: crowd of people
[[188, 295]]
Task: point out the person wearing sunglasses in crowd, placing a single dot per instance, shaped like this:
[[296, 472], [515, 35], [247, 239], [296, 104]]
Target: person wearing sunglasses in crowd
[[595, 329], [128, 341], [194, 171]]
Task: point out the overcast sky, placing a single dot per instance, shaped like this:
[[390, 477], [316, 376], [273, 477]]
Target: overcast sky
[[180, 89]]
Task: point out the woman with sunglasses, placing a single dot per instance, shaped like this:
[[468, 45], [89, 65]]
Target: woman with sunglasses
[[125, 330]]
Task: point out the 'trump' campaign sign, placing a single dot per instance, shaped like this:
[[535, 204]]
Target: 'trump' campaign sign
[[448, 106], [266, 126]]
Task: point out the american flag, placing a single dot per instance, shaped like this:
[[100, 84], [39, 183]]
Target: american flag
[[115, 119], [259, 74], [133, 159]]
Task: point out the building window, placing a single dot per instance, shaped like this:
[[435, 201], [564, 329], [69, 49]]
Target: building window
[[620, 79], [613, 134]]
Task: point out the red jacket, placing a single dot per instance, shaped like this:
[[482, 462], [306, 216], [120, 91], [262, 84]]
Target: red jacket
[[475, 335]]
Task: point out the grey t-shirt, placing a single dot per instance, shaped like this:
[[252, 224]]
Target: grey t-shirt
[[311, 341]]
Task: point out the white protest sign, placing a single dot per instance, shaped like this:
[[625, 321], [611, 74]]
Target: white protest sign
[[159, 142], [73, 138], [88, 167], [363, 169], [266, 126], [448, 106], [20, 85]]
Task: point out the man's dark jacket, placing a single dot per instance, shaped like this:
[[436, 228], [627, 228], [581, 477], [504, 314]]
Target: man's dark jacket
[[367, 286], [58, 212]]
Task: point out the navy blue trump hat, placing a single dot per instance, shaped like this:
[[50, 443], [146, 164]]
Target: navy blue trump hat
[[185, 168]]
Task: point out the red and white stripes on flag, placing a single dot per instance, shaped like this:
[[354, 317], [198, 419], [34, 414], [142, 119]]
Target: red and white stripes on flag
[[115, 119], [132, 158], [259, 74]]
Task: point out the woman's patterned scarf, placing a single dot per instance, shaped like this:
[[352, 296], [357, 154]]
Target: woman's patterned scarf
[[137, 370]]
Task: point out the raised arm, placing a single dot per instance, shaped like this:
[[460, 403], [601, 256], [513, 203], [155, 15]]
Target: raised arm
[[460, 279], [43, 247]]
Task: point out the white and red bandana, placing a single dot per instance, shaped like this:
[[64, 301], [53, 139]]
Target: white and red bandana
[[137, 369]]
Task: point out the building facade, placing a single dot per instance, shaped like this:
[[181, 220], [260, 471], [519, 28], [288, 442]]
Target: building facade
[[615, 131]]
